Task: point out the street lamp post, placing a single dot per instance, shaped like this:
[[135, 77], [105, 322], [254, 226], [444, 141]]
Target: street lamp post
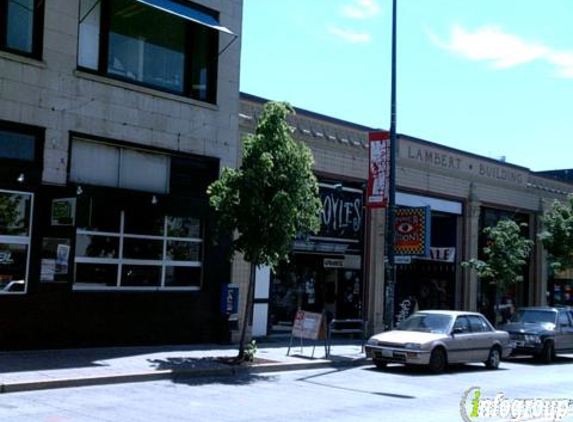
[[391, 213]]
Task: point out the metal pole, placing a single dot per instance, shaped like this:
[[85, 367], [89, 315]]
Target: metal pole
[[391, 213]]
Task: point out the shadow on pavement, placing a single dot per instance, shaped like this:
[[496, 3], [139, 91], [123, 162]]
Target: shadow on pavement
[[241, 379], [44, 360], [532, 360], [417, 370], [314, 379]]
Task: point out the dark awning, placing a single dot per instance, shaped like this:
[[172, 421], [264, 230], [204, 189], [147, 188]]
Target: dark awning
[[187, 12]]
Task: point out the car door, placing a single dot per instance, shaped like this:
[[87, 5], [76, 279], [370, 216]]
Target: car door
[[564, 331], [482, 338], [461, 344]]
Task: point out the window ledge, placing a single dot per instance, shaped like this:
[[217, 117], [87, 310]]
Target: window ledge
[[22, 59], [144, 90]]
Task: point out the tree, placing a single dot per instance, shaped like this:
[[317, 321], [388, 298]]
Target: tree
[[557, 234], [505, 253], [270, 200]]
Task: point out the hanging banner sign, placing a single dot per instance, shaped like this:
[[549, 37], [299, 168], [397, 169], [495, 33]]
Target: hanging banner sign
[[412, 231], [379, 169]]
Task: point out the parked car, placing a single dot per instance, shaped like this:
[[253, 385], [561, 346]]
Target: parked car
[[438, 338], [541, 331]]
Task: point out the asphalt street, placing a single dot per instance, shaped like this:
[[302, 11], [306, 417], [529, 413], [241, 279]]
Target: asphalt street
[[355, 394]]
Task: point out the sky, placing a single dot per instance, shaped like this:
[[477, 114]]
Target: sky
[[490, 77]]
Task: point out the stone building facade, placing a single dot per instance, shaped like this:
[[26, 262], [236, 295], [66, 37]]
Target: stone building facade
[[114, 117], [464, 192]]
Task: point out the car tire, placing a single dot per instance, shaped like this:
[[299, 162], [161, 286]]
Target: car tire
[[438, 360], [547, 352], [380, 364], [494, 358]]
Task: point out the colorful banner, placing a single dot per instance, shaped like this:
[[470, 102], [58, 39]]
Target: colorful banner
[[379, 169], [412, 231]]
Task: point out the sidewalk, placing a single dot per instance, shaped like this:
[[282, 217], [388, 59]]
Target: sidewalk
[[45, 369]]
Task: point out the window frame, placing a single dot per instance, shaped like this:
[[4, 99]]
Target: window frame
[[163, 263], [191, 29], [37, 30], [21, 240]]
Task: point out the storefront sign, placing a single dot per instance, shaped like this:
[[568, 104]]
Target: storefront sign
[[443, 254], [412, 231], [441, 158], [379, 169], [63, 212], [351, 262], [333, 263], [341, 216]]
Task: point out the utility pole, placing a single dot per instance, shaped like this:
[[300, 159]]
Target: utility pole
[[391, 212]]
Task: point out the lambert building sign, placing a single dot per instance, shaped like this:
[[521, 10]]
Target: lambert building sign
[[447, 160]]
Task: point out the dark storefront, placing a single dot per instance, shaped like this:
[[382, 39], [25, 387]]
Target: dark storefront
[[428, 279], [325, 273], [518, 293], [121, 255]]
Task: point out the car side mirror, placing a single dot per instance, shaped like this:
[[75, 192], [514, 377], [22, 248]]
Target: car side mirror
[[457, 330]]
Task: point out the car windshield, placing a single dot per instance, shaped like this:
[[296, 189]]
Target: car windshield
[[427, 323], [530, 316]]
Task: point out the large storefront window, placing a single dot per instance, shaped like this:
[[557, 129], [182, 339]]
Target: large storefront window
[[21, 26], [146, 44], [134, 243], [15, 229]]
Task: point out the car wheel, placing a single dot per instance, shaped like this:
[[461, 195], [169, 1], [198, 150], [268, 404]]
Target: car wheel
[[380, 364], [547, 352], [493, 359], [438, 360]]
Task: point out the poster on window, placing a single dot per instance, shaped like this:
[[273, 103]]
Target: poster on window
[[412, 231], [55, 259], [63, 212], [379, 169]]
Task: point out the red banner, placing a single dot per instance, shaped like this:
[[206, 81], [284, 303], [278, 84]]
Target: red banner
[[379, 169]]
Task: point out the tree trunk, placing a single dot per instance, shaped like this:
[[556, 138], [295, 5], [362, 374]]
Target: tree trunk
[[247, 314]]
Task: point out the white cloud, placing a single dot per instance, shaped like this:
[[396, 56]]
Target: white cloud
[[563, 60], [361, 9], [503, 50], [349, 36], [491, 44]]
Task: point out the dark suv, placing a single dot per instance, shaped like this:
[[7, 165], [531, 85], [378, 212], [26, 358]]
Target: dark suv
[[541, 331]]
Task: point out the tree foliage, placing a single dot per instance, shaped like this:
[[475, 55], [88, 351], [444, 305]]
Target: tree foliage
[[270, 200], [557, 234], [505, 253], [273, 197]]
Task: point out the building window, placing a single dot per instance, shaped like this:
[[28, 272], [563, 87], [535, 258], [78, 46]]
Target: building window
[[145, 44], [128, 241], [15, 228], [21, 26], [109, 165]]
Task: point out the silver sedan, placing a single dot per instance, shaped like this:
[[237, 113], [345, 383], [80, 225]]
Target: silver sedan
[[438, 338]]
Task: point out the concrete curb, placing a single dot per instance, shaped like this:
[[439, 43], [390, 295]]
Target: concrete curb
[[155, 375]]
